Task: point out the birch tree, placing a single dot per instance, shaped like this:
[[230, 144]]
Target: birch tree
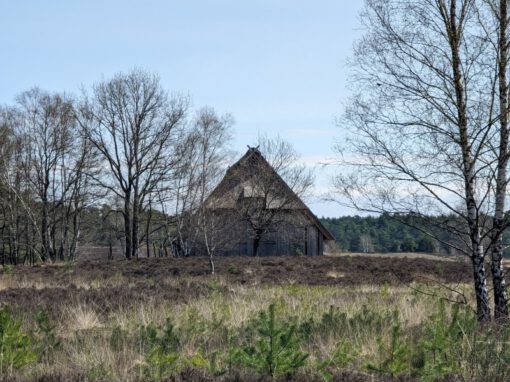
[[421, 119], [495, 22], [213, 134], [204, 156]]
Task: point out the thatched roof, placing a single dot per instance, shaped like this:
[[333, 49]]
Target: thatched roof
[[244, 179]]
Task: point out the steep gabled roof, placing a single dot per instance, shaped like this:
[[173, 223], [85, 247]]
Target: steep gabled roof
[[240, 177]]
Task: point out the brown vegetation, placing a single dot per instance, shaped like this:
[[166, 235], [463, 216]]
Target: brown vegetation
[[99, 311], [356, 270], [118, 284]]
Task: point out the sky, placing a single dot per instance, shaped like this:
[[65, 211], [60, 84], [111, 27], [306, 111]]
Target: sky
[[279, 67]]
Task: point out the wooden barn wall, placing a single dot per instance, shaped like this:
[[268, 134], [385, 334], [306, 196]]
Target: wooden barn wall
[[292, 236], [312, 241]]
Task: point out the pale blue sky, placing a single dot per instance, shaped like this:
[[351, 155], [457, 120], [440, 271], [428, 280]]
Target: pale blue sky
[[278, 66]]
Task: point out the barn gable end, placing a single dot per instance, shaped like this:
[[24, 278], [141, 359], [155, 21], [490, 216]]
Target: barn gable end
[[252, 195]]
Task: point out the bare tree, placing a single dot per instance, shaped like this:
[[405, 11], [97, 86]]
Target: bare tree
[[43, 176], [183, 195], [16, 212], [204, 155], [213, 135], [421, 119], [56, 162], [78, 167], [366, 244], [271, 195], [132, 123], [47, 124], [494, 18]]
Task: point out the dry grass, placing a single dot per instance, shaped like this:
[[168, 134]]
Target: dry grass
[[240, 304], [409, 255], [80, 318], [86, 331], [199, 307]]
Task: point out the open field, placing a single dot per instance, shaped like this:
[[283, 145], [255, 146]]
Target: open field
[[409, 255], [339, 318]]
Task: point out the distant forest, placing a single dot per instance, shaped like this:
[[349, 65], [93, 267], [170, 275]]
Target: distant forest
[[385, 234]]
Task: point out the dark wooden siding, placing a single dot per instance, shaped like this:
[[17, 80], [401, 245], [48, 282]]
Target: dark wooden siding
[[293, 236], [312, 241]]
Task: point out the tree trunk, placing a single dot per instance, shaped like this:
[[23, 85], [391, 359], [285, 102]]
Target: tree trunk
[[211, 263], [134, 232], [498, 280], [148, 229], [73, 249], [256, 244], [45, 243], [28, 247], [127, 227], [206, 242], [44, 232], [468, 166], [480, 281]]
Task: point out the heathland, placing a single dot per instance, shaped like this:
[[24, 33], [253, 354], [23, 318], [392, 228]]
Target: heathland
[[334, 318]]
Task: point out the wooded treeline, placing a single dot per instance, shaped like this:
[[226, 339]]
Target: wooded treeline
[[128, 146], [384, 234], [125, 164]]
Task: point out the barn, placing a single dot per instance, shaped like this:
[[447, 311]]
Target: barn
[[254, 212]]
